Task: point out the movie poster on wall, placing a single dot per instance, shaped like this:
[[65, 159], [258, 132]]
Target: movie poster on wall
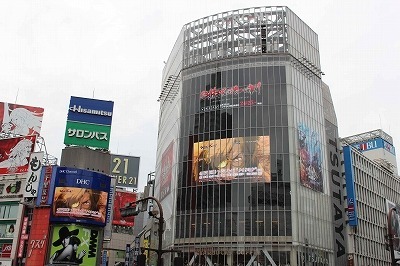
[[121, 199], [225, 160], [15, 153], [310, 154], [80, 196], [20, 119], [74, 244], [167, 161]]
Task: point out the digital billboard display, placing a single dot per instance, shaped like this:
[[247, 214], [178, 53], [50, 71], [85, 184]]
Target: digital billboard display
[[20, 119], [229, 159], [120, 200], [15, 153], [310, 153], [80, 196], [74, 245]]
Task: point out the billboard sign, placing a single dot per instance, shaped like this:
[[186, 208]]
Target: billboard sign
[[90, 111], [46, 185], [74, 244], [375, 144], [91, 135], [20, 119], [310, 153], [125, 169], [167, 161], [224, 160], [120, 201], [80, 196], [33, 176], [350, 187], [15, 153], [395, 226], [12, 189]]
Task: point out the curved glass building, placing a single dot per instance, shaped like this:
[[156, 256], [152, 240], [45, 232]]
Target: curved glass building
[[244, 172]]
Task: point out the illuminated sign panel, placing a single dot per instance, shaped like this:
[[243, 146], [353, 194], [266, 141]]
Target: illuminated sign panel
[[91, 135], [90, 111], [125, 170], [375, 144], [232, 158], [80, 196]]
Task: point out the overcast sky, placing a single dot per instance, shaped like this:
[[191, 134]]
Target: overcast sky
[[114, 50]]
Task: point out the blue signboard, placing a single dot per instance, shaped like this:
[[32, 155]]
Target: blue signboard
[[46, 186], [375, 144], [80, 196], [90, 111], [350, 188]]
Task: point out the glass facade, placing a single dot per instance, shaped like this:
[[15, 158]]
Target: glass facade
[[242, 164]]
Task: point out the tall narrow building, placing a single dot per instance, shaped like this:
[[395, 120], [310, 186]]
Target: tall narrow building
[[248, 158]]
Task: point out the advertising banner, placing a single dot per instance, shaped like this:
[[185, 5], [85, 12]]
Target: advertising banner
[[12, 189], [33, 176], [111, 196], [46, 186], [232, 158], [90, 111], [91, 135], [15, 153], [80, 196], [310, 158], [393, 211], [167, 161], [6, 250], [350, 187], [125, 169], [121, 199], [38, 237], [20, 119], [74, 244]]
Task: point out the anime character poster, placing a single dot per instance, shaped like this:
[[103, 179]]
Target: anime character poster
[[310, 158], [225, 160], [167, 161], [80, 196], [15, 153], [74, 245], [20, 119], [120, 200]]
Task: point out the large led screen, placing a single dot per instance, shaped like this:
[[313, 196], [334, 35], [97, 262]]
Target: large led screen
[[15, 153], [80, 196], [121, 199], [20, 119], [224, 160], [74, 245], [310, 158]]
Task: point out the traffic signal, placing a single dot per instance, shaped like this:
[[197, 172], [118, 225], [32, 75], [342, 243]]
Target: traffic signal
[[129, 211]]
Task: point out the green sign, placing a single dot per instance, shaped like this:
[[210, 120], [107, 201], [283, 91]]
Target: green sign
[[84, 134], [74, 244]]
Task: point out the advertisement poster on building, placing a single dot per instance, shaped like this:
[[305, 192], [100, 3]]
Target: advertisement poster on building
[[33, 176], [80, 196], [15, 153], [6, 250], [225, 160], [20, 120], [125, 170], [74, 244], [393, 211], [310, 154], [167, 161], [121, 199]]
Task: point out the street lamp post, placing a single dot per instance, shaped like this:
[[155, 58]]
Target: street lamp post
[[160, 226]]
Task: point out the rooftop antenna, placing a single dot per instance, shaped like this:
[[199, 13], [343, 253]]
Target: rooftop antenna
[[93, 93], [16, 97], [380, 121]]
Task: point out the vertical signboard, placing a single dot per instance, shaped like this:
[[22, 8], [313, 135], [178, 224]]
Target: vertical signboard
[[33, 176], [125, 169], [110, 211], [23, 237], [167, 161], [38, 237], [350, 187], [15, 153], [20, 119], [127, 254], [46, 186], [74, 244], [393, 212]]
